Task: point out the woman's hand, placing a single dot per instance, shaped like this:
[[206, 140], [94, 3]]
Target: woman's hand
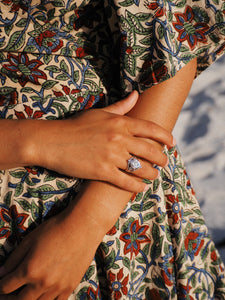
[[51, 261], [96, 144]]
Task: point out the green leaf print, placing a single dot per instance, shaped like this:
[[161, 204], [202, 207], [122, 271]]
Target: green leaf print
[[16, 41], [47, 85], [22, 22], [161, 31], [105, 248], [110, 259], [126, 3], [43, 192], [130, 64], [27, 90], [35, 212], [126, 262], [47, 58], [135, 23], [18, 174], [149, 216], [90, 74], [61, 77], [53, 69], [137, 50], [6, 90], [58, 3], [90, 272], [19, 189], [148, 205], [7, 198], [136, 207], [25, 205], [76, 76], [219, 17], [8, 28], [63, 66]]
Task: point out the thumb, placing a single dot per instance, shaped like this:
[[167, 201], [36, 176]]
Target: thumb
[[122, 107], [15, 258]]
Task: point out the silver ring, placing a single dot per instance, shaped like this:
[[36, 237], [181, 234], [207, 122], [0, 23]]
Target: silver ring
[[133, 164]]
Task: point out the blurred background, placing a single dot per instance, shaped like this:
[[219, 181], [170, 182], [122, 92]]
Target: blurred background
[[200, 134]]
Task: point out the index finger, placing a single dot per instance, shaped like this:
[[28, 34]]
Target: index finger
[[11, 282]]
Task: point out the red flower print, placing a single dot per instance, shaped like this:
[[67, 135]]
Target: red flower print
[[157, 6], [166, 278], [221, 49], [152, 294], [29, 112], [48, 40], [193, 243], [154, 72], [133, 197], [25, 70], [133, 237], [213, 255], [92, 294], [32, 170], [173, 207], [183, 291], [15, 223], [175, 153], [190, 30], [129, 50], [90, 102], [69, 92], [118, 286], [80, 52], [10, 98], [15, 6], [112, 231]]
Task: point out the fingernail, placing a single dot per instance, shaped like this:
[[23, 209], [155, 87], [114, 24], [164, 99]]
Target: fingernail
[[174, 141], [146, 188], [2, 271], [167, 162]]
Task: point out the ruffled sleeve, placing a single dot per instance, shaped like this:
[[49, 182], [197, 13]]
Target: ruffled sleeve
[[157, 38]]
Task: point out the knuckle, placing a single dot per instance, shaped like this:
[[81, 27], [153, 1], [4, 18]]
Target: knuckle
[[30, 272], [70, 288], [121, 181], [46, 282], [153, 127], [34, 274], [107, 160], [119, 121], [114, 137], [155, 173]]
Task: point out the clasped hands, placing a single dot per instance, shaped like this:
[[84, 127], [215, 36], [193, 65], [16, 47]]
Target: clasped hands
[[50, 262]]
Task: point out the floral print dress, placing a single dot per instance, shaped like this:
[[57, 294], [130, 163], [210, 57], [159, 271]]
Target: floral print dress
[[58, 57]]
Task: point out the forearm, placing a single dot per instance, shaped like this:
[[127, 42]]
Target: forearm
[[15, 142], [102, 202], [163, 102]]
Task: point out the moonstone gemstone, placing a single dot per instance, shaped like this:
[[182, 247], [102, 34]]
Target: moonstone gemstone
[[133, 164]]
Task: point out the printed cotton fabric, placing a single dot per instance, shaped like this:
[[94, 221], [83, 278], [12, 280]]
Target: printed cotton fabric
[[60, 57]]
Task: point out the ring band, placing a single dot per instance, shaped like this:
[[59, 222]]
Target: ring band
[[133, 164]]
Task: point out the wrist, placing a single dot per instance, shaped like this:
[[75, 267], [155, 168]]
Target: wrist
[[100, 204], [30, 144]]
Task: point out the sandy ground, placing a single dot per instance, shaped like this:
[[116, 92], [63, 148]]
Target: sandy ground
[[200, 133]]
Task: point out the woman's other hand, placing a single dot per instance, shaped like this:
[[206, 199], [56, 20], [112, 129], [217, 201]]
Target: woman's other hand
[[50, 262]]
